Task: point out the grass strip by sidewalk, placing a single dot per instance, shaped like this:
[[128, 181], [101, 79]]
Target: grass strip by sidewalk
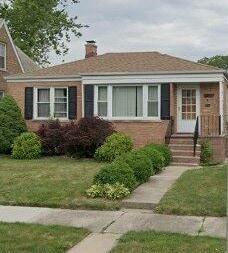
[[154, 242], [200, 192], [34, 238]]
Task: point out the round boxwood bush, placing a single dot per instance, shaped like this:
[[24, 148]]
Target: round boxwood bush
[[165, 150], [116, 172], [156, 157], [27, 146], [11, 123], [139, 163], [115, 145]]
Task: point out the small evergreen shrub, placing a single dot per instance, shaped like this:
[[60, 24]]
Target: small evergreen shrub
[[139, 163], [83, 138], [115, 145], [115, 191], [27, 146], [51, 135], [165, 150], [11, 123], [116, 172], [156, 158], [206, 152]]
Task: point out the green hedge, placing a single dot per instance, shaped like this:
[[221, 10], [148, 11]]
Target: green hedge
[[115, 145], [139, 163], [165, 150], [27, 146], [155, 156], [116, 172], [11, 123]]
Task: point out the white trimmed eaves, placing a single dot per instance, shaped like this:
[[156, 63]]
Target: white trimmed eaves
[[87, 78], [12, 43]]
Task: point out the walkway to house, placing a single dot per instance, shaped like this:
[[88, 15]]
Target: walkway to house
[[108, 226], [147, 195]]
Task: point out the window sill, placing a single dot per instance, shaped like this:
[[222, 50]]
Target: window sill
[[4, 70], [42, 120]]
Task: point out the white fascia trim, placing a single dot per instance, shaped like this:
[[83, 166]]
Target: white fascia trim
[[43, 79], [12, 43], [160, 78]]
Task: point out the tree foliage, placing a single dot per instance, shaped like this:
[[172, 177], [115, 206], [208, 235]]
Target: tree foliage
[[40, 26], [220, 61]]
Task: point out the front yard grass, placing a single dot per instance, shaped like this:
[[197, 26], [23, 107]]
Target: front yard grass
[[154, 242], [50, 182], [200, 192], [26, 238]]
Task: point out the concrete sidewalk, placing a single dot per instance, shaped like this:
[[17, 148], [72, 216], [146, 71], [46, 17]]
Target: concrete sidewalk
[[116, 222], [147, 195]]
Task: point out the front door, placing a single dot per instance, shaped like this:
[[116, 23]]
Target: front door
[[188, 107]]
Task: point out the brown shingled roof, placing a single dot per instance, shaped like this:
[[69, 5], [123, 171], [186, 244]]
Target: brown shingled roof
[[136, 62]]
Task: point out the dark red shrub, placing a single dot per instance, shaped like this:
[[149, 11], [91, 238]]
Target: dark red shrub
[[82, 139], [51, 134]]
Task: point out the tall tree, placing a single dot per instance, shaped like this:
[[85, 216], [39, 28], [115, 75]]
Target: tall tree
[[220, 61], [40, 26]]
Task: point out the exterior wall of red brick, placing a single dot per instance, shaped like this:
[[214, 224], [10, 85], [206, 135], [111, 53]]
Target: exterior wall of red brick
[[17, 90], [143, 132], [12, 63]]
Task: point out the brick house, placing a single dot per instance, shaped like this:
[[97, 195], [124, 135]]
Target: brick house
[[151, 96]]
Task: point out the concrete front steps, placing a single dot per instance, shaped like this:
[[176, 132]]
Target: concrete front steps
[[181, 146]]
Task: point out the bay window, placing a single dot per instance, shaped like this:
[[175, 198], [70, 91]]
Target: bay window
[[2, 55], [51, 103], [127, 101]]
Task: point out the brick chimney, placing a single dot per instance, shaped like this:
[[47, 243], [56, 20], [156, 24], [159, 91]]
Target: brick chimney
[[90, 48]]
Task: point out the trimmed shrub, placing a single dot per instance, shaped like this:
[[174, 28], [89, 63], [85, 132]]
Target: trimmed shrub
[[165, 150], [116, 172], [11, 123], [115, 145], [82, 139], [156, 158], [139, 163], [206, 152], [115, 191], [51, 135], [27, 146]]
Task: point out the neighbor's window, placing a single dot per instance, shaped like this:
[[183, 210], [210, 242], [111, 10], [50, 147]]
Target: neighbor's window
[[152, 103], [52, 103], [43, 103], [60, 108], [127, 101], [1, 94], [2, 55], [102, 101]]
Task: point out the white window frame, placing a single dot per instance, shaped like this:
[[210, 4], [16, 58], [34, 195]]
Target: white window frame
[[4, 44], [52, 103], [3, 93], [145, 102]]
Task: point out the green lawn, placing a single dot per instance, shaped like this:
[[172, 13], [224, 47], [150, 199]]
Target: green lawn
[[199, 192], [25, 238], [50, 182], [154, 242]]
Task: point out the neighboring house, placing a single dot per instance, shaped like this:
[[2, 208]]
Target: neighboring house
[[148, 95], [12, 59]]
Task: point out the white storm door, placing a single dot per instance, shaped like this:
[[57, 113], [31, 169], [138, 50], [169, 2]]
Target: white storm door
[[188, 107]]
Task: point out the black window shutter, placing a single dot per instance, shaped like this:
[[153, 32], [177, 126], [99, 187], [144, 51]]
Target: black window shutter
[[165, 101], [29, 103], [72, 102], [89, 100]]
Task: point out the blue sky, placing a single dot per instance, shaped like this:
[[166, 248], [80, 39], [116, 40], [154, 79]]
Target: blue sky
[[186, 28]]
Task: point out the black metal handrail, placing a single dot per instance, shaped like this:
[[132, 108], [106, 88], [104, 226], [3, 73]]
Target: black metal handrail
[[170, 130], [196, 135]]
